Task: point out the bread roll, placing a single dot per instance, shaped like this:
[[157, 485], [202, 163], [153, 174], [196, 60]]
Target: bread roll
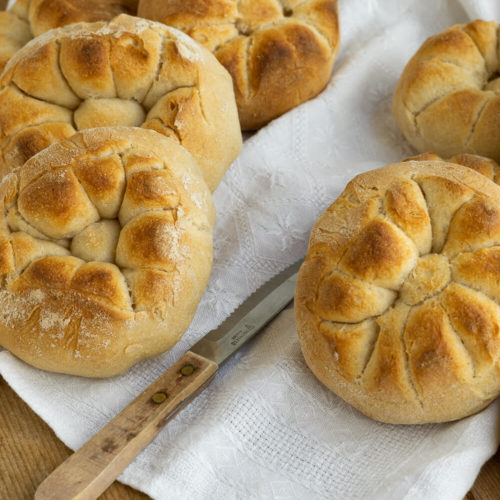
[[29, 18], [397, 301], [44, 15], [127, 72], [447, 97], [14, 33], [105, 251], [279, 54]]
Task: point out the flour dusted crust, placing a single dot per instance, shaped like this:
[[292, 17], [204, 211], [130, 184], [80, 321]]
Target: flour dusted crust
[[486, 166], [447, 99], [14, 33], [280, 53], [397, 302], [128, 72], [105, 251]]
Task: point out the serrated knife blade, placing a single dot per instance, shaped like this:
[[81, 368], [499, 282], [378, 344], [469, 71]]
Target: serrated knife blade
[[92, 468], [249, 318]]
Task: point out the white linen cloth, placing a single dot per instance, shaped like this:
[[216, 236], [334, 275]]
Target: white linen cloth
[[266, 428]]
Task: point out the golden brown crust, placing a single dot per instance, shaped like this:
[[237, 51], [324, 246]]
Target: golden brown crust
[[129, 72], [45, 15], [279, 53], [105, 251], [397, 302], [446, 98], [27, 19], [14, 33], [485, 166]]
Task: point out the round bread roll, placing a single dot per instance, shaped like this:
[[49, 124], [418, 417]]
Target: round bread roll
[[128, 72], [44, 15], [447, 97], [279, 54], [105, 251], [397, 301], [14, 33]]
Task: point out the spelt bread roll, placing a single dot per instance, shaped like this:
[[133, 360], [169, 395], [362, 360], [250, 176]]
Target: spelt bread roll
[[279, 54], [397, 302], [44, 15], [105, 251], [447, 97], [29, 18], [129, 72], [14, 33]]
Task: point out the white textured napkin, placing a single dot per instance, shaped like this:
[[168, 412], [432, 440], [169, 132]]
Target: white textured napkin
[[266, 428]]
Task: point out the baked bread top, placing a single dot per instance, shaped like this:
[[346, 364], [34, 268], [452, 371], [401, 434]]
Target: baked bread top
[[14, 33], [279, 53], [44, 15], [397, 302], [29, 18], [105, 251], [128, 72], [446, 99], [485, 166]]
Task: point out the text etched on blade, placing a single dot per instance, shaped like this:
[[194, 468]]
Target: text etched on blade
[[242, 333]]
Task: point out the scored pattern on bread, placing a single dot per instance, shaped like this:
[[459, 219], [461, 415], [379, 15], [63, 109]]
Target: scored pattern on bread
[[29, 18], [485, 166], [398, 299], [105, 251], [128, 72], [447, 97], [279, 53]]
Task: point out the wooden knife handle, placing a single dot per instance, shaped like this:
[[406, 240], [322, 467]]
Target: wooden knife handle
[[92, 468]]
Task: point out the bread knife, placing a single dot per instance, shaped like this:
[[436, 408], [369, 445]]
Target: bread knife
[[93, 467]]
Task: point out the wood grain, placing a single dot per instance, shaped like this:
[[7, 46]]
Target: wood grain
[[93, 467], [30, 451]]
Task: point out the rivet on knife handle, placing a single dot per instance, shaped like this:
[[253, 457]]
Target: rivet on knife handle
[[91, 469]]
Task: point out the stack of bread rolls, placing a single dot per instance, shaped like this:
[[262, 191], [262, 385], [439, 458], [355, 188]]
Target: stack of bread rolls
[[114, 130], [112, 137], [128, 72]]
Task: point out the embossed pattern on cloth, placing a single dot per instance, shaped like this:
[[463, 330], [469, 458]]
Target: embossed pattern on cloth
[[129, 72], [105, 251], [397, 301], [280, 53], [447, 97]]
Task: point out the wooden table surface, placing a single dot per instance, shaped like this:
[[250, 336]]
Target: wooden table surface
[[29, 451]]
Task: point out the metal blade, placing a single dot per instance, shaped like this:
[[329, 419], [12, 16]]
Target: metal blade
[[260, 308]]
